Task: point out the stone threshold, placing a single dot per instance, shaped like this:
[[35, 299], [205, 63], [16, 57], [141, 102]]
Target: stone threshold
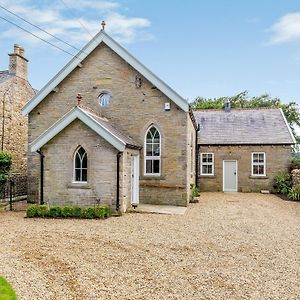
[[159, 209]]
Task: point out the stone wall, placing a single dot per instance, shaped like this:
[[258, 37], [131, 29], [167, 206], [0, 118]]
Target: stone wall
[[278, 159], [131, 110], [14, 93]]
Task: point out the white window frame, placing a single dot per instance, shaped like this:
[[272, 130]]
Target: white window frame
[[258, 164], [152, 157], [74, 166], [207, 164]]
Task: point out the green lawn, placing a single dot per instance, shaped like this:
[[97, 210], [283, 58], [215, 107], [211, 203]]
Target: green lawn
[[6, 291]]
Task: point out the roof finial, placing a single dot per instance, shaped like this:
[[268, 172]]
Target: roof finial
[[79, 97], [103, 25]]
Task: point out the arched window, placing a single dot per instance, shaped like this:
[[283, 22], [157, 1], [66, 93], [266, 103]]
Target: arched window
[[80, 165], [152, 152]]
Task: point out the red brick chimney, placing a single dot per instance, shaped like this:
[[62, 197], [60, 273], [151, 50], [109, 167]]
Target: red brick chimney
[[18, 63]]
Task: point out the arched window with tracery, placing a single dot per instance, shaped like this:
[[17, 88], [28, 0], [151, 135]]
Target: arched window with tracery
[[80, 165], [153, 152]]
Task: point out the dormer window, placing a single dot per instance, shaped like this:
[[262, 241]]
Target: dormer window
[[104, 99]]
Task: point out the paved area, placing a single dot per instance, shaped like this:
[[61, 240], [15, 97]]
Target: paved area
[[159, 209], [228, 246]]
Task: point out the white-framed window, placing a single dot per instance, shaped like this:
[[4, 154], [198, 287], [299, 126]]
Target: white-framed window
[[258, 164], [152, 152], [80, 165], [207, 164], [104, 98]]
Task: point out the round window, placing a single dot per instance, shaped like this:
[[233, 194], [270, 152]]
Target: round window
[[104, 99]]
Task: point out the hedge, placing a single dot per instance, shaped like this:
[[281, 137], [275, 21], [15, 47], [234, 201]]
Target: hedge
[[42, 211]]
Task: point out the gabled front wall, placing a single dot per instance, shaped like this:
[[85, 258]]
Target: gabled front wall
[[278, 158], [132, 110]]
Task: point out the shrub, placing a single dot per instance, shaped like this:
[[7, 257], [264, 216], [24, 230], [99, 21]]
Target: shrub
[[67, 211], [5, 164], [54, 212], [283, 183], [295, 163], [31, 211], [194, 191], [88, 213], [294, 193], [42, 211]]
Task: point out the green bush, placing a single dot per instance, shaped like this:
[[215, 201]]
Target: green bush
[[5, 165], [67, 212], [31, 211], [194, 191], [295, 163], [6, 291], [54, 212], [283, 183], [294, 193], [88, 213], [42, 211]]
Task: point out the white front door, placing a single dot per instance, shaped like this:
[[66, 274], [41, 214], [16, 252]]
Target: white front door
[[135, 170], [229, 175]]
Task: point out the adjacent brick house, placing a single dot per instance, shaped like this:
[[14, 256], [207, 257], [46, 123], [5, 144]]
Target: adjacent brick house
[[15, 91], [129, 139], [243, 149]]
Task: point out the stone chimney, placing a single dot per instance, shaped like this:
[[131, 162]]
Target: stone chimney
[[227, 105], [18, 63]]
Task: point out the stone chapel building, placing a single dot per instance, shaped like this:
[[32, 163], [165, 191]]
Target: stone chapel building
[[15, 91], [107, 130]]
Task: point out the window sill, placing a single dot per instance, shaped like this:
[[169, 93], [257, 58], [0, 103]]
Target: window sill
[[207, 176], [78, 185], [259, 177], [152, 177]]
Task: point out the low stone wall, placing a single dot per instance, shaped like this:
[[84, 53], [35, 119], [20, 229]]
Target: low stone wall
[[296, 177]]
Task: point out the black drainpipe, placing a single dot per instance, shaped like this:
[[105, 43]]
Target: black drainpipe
[[118, 182], [42, 176], [196, 155]]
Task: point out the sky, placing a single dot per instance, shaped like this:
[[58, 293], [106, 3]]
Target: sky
[[207, 48]]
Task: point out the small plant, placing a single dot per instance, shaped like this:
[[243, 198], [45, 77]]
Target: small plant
[[5, 165], [67, 212], [88, 213], [100, 212], [283, 183], [295, 163], [194, 191], [31, 211], [294, 193], [54, 212], [41, 210]]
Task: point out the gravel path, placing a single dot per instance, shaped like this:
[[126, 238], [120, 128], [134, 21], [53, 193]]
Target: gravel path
[[228, 246]]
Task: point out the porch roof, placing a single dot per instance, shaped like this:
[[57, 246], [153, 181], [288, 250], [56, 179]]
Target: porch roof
[[97, 123]]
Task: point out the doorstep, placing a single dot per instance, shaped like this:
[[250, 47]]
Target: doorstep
[[159, 209]]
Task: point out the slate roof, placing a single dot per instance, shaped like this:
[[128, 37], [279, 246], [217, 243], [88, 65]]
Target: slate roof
[[243, 126], [5, 75], [106, 124]]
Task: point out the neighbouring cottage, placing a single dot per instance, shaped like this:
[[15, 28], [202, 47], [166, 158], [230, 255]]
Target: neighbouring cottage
[[127, 138], [15, 91], [106, 130], [242, 149]]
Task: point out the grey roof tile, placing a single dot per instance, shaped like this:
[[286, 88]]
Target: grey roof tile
[[242, 126], [106, 124], [5, 75]]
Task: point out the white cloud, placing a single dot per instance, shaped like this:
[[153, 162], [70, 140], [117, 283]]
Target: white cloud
[[286, 29], [64, 22]]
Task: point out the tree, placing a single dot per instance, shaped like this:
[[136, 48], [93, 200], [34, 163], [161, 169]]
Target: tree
[[242, 100]]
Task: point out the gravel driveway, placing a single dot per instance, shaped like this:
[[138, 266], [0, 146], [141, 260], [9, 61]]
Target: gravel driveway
[[228, 246]]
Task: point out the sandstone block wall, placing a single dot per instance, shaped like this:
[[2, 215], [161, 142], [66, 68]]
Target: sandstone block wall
[[278, 158], [132, 110]]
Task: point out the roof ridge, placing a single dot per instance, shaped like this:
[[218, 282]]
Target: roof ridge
[[235, 109]]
